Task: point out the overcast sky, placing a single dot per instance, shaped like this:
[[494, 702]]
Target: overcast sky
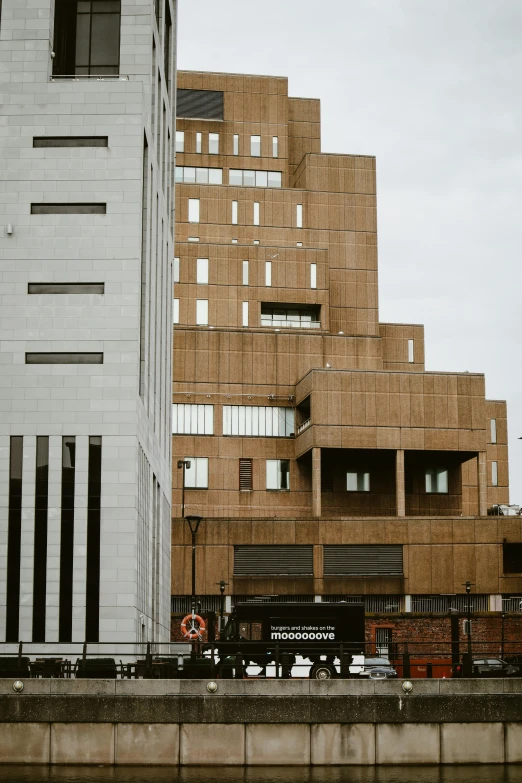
[[433, 89]]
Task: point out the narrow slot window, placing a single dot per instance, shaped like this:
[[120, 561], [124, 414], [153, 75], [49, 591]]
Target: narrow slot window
[[494, 474], [175, 270], [245, 475], [275, 146], [299, 215], [493, 430], [41, 501], [245, 272], [66, 288], [92, 588], [70, 141], [213, 143], [268, 273], [199, 138], [180, 141], [411, 351], [68, 209], [67, 540], [64, 358], [235, 145], [245, 314], [256, 213], [234, 213], [255, 146], [193, 210], [14, 540], [202, 271], [313, 275], [175, 311], [201, 312]]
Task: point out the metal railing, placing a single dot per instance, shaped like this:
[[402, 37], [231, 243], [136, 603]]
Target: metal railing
[[304, 426]]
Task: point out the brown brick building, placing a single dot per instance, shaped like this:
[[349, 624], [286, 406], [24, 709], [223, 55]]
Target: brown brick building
[[325, 461]]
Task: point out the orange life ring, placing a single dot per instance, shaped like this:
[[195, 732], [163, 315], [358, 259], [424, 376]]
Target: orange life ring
[[192, 632]]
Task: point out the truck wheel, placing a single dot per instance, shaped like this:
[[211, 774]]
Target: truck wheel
[[322, 671]]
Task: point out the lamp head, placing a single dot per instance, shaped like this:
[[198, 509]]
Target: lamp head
[[183, 462], [193, 523]]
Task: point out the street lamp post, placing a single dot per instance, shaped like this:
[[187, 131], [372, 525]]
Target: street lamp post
[[183, 464], [193, 523], [468, 667], [222, 585]]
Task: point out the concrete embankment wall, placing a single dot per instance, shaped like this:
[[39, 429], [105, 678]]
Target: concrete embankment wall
[[260, 722]]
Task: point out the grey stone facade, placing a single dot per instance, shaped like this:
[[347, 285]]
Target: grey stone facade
[[128, 248]]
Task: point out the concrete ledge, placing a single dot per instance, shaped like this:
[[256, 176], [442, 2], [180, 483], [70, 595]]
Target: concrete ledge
[[472, 743], [407, 743], [267, 744], [22, 743], [204, 743], [147, 743], [342, 743], [82, 743]]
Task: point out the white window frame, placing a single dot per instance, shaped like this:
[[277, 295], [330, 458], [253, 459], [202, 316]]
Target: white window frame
[[202, 271], [180, 141], [259, 421], [245, 272], [268, 273], [275, 146], [201, 312], [192, 419], [254, 142], [437, 481], [175, 311], [494, 473], [299, 215], [244, 314], [256, 213], [234, 213], [213, 143], [199, 142], [357, 481], [313, 275], [196, 477], [493, 430], [411, 351], [193, 210], [277, 474], [235, 144]]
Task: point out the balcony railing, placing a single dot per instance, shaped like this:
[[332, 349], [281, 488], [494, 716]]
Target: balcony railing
[[304, 426]]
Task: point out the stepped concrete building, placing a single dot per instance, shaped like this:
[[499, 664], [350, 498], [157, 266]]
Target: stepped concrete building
[[326, 463], [85, 339]]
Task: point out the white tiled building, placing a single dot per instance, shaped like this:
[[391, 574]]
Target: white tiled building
[[85, 319]]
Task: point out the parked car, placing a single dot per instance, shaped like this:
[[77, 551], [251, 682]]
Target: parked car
[[489, 667], [377, 669]]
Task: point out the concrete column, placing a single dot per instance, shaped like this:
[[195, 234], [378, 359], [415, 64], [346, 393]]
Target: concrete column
[[482, 484], [316, 482], [400, 491]]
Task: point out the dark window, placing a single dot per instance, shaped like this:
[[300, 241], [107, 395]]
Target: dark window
[[166, 44], [363, 560], [87, 38], [14, 538], [245, 474], [92, 590], [64, 358], [68, 209], [41, 500], [512, 555], [66, 288], [67, 539], [298, 316], [202, 104], [70, 141], [289, 560]]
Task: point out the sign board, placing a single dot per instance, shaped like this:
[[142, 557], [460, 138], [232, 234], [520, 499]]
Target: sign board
[[305, 629]]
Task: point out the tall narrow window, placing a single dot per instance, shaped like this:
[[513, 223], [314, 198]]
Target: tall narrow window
[[275, 147], [201, 312], [202, 271], [67, 539], [256, 213], [41, 501], [245, 272], [313, 275], [494, 474], [411, 351], [86, 38], [245, 475], [213, 143], [234, 213], [193, 210], [175, 270], [199, 137], [235, 146], [14, 539], [245, 314], [180, 141], [299, 215], [255, 146], [493, 429], [92, 588], [268, 273], [175, 311]]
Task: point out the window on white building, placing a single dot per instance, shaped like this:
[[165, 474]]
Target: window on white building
[[278, 474]]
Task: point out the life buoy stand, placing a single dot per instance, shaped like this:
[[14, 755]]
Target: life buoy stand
[[192, 627]]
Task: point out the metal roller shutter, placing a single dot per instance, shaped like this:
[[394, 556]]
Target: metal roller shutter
[[274, 560], [355, 560], [201, 104]]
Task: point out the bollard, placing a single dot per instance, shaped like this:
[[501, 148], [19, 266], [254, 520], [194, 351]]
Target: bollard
[[406, 667], [239, 666], [429, 670], [285, 666]]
